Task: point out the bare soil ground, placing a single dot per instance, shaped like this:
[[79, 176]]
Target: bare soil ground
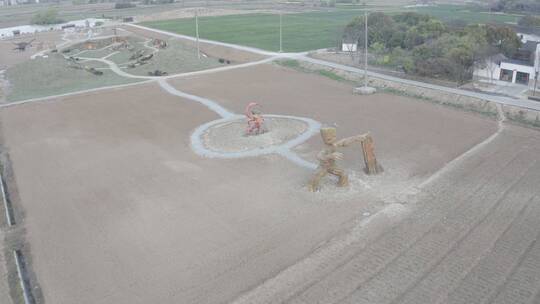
[[433, 136], [118, 209], [190, 12], [10, 57], [472, 237], [113, 206]]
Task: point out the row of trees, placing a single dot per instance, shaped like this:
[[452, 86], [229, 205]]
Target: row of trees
[[425, 46]]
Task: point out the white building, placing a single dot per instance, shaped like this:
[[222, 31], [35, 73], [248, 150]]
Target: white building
[[349, 46], [528, 37], [516, 71], [521, 71]]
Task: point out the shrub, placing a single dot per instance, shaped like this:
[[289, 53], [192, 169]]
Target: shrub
[[123, 5], [291, 63], [49, 16], [529, 20]]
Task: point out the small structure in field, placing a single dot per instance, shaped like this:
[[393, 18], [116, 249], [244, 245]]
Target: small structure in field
[[256, 124], [364, 90], [159, 43], [329, 156], [349, 46]]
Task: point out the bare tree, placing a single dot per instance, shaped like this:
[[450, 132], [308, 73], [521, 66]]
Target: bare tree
[[491, 67], [352, 50]]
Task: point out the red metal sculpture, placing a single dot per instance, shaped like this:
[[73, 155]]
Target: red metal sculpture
[[255, 120]]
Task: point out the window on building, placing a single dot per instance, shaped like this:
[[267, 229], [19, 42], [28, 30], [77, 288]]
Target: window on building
[[506, 75], [522, 78]]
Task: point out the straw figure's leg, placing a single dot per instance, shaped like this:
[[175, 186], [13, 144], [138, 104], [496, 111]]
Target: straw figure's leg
[[316, 180], [340, 173]]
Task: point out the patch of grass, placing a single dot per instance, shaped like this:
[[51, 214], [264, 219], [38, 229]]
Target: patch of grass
[[521, 120], [332, 75], [301, 32], [176, 58], [93, 53], [296, 65], [290, 63], [52, 76]]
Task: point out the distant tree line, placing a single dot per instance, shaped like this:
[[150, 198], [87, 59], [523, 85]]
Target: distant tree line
[[425, 46]]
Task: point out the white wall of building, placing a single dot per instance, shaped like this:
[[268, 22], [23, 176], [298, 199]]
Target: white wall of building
[[517, 67], [31, 29], [529, 37], [349, 47], [490, 71]]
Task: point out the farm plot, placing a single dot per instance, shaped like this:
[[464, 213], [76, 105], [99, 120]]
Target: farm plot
[[114, 196]]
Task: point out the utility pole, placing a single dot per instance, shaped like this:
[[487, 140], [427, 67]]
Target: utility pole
[[365, 90], [280, 31], [535, 81], [366, 49], [197, 32], [536, 68]]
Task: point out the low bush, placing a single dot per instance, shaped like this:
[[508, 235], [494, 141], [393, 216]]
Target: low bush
[[123, 5]]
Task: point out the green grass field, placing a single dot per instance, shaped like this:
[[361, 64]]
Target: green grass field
[[301, 32], [304, 31], [52, 76]]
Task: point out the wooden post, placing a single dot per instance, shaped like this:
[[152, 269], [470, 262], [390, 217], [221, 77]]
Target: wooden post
[[372, 167]]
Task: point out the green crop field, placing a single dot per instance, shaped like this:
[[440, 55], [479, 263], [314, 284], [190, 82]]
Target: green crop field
[[301, 32], [304, 31]]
